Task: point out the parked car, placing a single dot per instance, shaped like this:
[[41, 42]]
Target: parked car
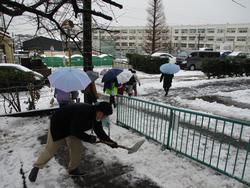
[[194, 60], [15, 75], [238, 55], [225, 53], [182, 56], [171, 58]]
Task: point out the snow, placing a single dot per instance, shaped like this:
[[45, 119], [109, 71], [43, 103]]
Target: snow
[[19, 144]]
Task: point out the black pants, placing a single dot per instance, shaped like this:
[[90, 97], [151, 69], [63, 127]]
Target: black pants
[[166, 89], [112, 100]]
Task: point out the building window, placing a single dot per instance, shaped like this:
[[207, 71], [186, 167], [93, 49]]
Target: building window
[[191, 45], [124, 31], [117, 44], [95, 37], [140, 31], [229, 38], [183, 38], [131, 38], [201, 30], [164, 38], [219, 39], [124, 44], [202, 38], [164, 31], [192, 38], [131, 44], [176, 31], [210, 30], [132, 31], [176, 38], [210, 38], [183, 45], [184, 31], [124, 38], [220, 30], [242, 30], [241, 38], [192, 30], [231, 30]]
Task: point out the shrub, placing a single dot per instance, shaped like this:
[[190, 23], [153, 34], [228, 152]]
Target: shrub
[[226, 67], [146, 63]]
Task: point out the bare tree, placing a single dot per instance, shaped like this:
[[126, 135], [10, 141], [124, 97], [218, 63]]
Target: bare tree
[[49, 15], [156, 37]]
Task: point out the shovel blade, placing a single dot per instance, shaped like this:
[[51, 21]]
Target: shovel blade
[[136, 147]]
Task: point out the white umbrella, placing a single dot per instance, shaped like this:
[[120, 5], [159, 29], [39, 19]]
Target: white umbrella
[[69, 79], [124, 76]]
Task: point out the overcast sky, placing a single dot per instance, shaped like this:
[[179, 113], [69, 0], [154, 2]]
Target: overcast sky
[[187, 12], [176, 11]]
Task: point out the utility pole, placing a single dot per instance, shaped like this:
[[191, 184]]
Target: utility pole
[[87, 36]]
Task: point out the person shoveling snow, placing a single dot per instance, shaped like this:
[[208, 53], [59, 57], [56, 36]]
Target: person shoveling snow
[[69, 124]]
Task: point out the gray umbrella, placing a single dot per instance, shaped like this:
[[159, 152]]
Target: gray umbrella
[[93, 75]]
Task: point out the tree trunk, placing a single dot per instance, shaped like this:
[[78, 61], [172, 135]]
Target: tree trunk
[[87, 36]]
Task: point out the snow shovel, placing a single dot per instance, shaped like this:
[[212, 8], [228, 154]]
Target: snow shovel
[[133, 149]]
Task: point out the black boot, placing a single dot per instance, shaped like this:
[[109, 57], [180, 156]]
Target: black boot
[[76, 172], [33, 174]]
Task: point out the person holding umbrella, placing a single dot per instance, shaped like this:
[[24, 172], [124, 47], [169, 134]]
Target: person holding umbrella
[[167, 82], [62, 97], [111, 88], [168, 70], [69, 125], [111, 84]]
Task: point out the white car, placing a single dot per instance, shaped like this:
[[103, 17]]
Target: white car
[[238, 54], [171, 58]]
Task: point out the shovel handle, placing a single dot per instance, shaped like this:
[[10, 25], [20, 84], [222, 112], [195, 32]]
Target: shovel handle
[[110, 143]]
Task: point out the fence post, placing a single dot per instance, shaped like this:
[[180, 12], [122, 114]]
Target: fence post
[[170, 127]]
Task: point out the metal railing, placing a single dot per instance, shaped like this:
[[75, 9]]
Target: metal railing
[[220, 143]]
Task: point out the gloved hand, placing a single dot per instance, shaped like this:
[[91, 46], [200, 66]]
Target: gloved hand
[[92, 139], [113, 144]]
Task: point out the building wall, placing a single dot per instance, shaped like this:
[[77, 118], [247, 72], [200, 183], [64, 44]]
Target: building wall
[[129, 39]]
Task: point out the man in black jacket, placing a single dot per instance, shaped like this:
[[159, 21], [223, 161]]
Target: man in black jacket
[[69, 124], [167, 82]]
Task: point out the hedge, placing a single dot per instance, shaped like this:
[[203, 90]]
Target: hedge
[[146, 63], [221, 68]]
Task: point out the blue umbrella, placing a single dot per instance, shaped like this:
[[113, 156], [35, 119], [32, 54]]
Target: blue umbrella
[[111, 74], [169, 68]]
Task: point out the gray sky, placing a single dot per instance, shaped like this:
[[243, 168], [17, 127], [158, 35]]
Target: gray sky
[[187, 12], [177, 12]]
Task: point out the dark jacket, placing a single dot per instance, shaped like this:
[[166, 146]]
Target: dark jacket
[[74, 120], [167, 81]]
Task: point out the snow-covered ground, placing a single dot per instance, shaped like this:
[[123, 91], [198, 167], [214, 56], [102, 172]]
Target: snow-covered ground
[[19, 144]]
